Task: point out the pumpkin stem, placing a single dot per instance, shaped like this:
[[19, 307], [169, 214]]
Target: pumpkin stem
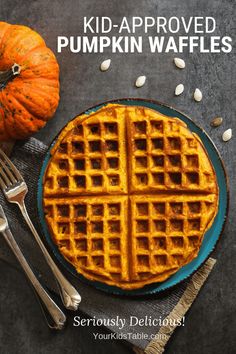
[[8, 75]]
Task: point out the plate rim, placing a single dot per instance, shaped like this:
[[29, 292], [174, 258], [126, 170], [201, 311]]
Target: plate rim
[[99, 285]]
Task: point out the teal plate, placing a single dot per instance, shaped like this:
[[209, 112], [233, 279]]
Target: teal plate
[[212, 235]]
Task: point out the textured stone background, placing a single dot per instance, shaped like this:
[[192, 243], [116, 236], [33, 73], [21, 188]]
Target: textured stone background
[[210, 324]]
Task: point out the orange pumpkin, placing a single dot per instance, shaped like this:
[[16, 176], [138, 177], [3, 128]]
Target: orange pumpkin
[[29, 82]]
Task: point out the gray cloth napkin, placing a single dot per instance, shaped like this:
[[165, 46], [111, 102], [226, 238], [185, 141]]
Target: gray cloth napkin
[[171, 305]]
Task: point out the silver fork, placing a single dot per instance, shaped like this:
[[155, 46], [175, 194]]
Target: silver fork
[[53, 314], [15, 190]]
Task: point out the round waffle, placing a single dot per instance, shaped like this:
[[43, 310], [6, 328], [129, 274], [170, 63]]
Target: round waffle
[[128, 195]]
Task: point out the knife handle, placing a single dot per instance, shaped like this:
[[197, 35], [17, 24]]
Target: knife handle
[[53, 314]]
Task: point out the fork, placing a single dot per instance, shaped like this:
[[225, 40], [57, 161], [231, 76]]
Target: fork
[[15, 189], [53, 314]]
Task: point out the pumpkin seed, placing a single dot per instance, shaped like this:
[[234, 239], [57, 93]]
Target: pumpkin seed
[[197, 95], [179, 89], [227, 135], [140, 81], [180, 63], [216, 122], [105, 65]]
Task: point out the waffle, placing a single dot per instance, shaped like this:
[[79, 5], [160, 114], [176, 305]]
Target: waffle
[[128, 195]]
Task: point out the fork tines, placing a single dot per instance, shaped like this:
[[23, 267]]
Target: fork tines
[[9, 174]]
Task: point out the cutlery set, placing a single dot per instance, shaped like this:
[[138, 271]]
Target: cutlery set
[[15, 189]]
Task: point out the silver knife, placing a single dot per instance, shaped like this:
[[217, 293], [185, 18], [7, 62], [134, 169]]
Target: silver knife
[[53, 314]]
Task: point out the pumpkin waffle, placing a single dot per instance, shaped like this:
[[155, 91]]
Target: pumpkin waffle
[[128, 195]]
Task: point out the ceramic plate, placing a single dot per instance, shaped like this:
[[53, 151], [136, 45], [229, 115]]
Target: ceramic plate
[[212, 235]]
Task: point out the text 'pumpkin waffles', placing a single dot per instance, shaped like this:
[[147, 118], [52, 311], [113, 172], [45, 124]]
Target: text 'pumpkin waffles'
[[128, 195]]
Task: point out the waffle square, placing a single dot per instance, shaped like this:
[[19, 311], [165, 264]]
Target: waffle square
[[165, 154], [167, 232], [90, 158], [104, 252]]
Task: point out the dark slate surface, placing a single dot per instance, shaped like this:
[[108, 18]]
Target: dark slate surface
[[210, 324]]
